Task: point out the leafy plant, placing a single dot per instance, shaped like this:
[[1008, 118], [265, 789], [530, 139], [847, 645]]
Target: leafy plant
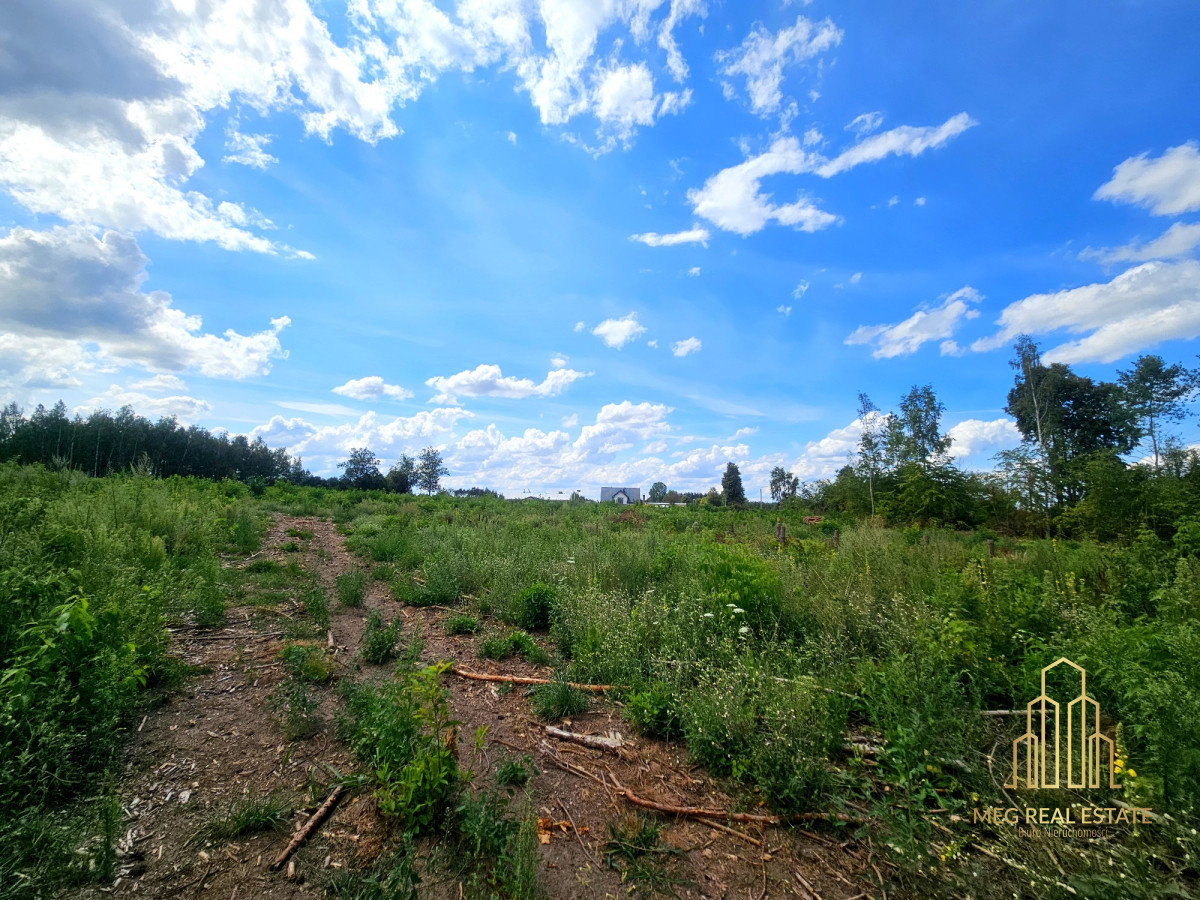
[[515, 771], [404, 733], [378, 643], [297, 707], [516, 643], [532, 607]]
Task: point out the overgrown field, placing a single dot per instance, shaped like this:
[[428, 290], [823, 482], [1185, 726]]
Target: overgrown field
[[90, 572], [844, 670], [772, 662]]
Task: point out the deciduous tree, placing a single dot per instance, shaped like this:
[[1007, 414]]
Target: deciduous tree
[[1156, 394], [430, 470]]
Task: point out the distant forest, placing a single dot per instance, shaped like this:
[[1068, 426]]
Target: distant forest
[[104, 443]]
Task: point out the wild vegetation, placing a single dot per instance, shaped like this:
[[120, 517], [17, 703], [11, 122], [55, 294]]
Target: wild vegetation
[[843, 667]]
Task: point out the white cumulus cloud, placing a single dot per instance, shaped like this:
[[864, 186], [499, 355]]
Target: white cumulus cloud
[[488, 381], [686, 346], [373, 387], [70, 285], [1167, 186], [930, 324], [619, 332], [762, 57], [693, 235], [185, 409], [1178, 240], [982, 439], [1141, 307]]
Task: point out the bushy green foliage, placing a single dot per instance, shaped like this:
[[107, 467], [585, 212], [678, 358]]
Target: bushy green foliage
[[402, 731], [311, 664], [90, 570], [501, 646], [378, 643], [514, 771], [655, 710], [533, 606], [462, 624]]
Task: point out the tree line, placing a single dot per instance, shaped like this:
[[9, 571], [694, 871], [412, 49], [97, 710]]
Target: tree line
[[104, 443], [1069, 474]]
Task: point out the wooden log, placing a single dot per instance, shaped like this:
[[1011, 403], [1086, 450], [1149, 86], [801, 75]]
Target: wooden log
[[310, 826], [595, 741], [526, 679]]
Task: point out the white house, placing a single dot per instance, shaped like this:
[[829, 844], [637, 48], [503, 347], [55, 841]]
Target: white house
[[622, 496]]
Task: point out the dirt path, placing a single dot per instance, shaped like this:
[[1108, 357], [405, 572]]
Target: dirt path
[[218, 741]]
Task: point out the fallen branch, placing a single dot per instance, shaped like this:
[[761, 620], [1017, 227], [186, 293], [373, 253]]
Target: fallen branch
[[699, 812], [306, 832], [717, 826], [525, 679], [595, 741]]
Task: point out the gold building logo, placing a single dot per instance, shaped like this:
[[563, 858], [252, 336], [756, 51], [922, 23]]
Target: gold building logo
[[1087, 749]]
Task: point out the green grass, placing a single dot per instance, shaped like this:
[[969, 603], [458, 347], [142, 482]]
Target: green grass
[[462, 624], [303, 533], [514, 771], [249, 815], [557, 700], [316, 607], [500, 646], [351, 588], [756, 659], [311, 664]]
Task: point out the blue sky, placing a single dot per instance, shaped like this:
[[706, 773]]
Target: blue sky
[[575, 244]]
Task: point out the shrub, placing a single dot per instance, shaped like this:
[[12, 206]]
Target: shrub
[[531, 608], [403, 733], [378, 643], [351, 588], [445, 577], [517, 643], [655, 711]]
